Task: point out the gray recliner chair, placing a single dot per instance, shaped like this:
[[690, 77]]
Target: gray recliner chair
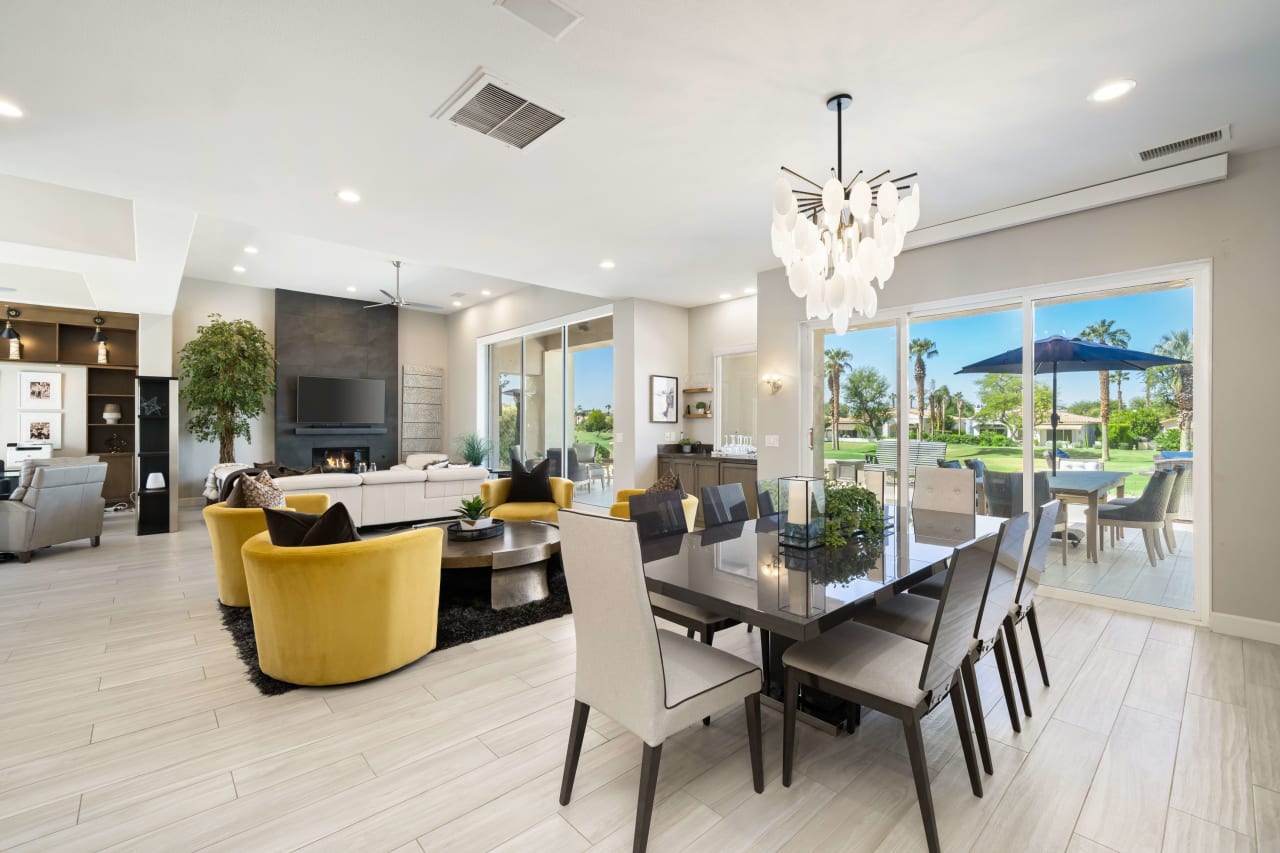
[[56, 501]]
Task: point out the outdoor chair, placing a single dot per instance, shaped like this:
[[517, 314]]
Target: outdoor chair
[[899, 677], [1172, 512], [1004, 498], [650, 681], [949, 463], [1148, 513], [980, 471]]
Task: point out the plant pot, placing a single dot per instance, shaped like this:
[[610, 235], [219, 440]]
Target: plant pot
[[476, 523], [686, 448]]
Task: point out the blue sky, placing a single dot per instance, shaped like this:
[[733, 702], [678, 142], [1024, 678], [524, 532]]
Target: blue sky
[[593, 378], [964, 340]]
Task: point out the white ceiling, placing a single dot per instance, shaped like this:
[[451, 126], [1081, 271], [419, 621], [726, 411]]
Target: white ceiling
[[678, 116]]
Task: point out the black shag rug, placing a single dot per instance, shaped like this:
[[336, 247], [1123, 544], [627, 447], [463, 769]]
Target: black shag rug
[[465, 617]]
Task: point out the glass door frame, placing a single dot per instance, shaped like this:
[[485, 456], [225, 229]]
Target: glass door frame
[[1198, 274]]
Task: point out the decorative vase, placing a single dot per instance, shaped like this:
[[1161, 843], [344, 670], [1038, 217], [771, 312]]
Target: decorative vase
[[476, 523], [155, 481], [111, 413]]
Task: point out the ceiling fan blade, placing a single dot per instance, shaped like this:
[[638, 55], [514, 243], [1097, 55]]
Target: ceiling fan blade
[[389, 296], [377, 305], [423, 306]]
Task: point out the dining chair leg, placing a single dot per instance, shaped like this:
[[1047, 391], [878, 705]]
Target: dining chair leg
[[1033, 623], [577, 728], [920, 770], [766, 665], [1015, 655], [648, 788], [1169, 538], [1151, 551], [966, 738], [750, 627], [1155, 538], [790, 699], [969, 682], [1006, 683], [754, 744], [707, 636], [690, 633]]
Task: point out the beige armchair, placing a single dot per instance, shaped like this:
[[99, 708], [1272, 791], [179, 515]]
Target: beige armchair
[[62, 502]]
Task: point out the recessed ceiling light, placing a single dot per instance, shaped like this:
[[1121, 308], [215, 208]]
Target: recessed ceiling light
[[726, 296], [251, 250], [1111, 91], [349, 196], [457, 303], [351, 290], [8, 109], [607, 264], [237, 268], [749, 290], [486, 293]]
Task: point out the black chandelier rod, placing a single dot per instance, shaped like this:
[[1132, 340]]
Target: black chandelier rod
[[801, 177]]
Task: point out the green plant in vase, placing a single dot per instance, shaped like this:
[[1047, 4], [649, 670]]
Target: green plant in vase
[[474, 448], [852, 511], [474, 514], [701, 407]]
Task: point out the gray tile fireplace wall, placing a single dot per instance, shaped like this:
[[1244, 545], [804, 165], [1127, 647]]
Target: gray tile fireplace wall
[[328, 336]]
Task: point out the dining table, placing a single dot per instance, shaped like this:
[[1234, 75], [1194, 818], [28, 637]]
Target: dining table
[[1090, 486], [790, 594]]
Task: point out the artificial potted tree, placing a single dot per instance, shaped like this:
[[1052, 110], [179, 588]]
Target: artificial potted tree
[[228, 370]]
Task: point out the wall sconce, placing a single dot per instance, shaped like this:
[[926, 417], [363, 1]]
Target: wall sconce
[[100, 338], [11, 334], [773, 381]]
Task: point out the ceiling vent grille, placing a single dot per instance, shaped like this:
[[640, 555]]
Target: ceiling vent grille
[[1212, 137], [551, 18], [486, 106]]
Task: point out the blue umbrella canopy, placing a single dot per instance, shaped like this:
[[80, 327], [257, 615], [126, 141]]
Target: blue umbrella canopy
[[1059, 354]]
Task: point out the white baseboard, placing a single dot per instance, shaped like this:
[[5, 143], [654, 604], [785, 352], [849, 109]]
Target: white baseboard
[[1245, 626], [1122, 605]]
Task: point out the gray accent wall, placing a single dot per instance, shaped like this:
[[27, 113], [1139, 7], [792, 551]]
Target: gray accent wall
[[327, 336], [1234, 222]]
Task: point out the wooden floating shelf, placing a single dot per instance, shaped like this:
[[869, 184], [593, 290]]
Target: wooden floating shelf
[[704, 389], [707, 415], [111, 425]]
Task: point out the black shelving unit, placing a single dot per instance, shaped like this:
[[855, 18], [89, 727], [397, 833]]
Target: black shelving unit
[[155, 453]]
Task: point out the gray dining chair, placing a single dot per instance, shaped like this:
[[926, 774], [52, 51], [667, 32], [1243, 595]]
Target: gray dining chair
[[1003, 490], [724, 504], [944, 490], [650, 681], [660, 521], [1024, 602], [899, 677], [912, 616], [1148, 513], [980, 471], [1180, 480]]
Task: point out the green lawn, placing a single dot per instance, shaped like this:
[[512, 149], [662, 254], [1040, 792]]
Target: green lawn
[[1010, 459], [602, 440]]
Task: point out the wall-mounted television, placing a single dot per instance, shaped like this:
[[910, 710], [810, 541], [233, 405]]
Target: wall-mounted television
[[334, 401]]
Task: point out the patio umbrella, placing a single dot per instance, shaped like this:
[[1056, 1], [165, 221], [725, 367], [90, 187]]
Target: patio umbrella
[[1057, 353]]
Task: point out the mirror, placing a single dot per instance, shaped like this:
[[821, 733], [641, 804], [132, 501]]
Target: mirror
[[736, 396]]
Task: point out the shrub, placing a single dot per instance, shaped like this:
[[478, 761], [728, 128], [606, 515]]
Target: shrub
[[952, 438], [1170, 439], [1120, 435], [1145, 422], [995, 439]]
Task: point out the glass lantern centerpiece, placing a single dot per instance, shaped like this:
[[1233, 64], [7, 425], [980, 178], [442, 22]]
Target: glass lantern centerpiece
[[802, 511]]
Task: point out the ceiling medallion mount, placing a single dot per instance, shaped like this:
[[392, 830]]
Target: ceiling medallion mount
[[832, 242]]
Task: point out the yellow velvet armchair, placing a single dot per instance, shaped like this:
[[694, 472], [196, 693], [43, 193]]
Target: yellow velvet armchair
[[333, 614], [622, 505], [495, 494], [231, 527]]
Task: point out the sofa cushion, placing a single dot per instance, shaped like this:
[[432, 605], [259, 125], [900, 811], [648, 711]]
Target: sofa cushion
[[287, 527], [373, 478], [532, 486], [422, 460], [260, 491], [439, 475], [28, 471], [318, 482], [527, 511]]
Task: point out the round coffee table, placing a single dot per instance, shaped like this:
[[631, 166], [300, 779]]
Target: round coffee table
[[517, 560]]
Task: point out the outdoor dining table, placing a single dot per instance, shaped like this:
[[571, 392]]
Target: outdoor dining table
[[1089, 485], [792, 594]]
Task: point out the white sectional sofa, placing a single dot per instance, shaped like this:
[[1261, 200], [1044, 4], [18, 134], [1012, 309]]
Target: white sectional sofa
[[403, 493]]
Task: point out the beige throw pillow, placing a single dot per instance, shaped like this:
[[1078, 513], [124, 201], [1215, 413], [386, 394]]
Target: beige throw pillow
[[260, 491]]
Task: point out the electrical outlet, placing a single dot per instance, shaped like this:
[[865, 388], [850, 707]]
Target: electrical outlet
[[770, 441], [617, 438]]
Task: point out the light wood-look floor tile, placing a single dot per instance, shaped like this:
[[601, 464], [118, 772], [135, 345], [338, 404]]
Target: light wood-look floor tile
[[1185, 833], [1159, 683], [1211, 780], [1266, 808], [1217, 668]]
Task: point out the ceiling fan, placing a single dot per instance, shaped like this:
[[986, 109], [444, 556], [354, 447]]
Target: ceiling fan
[[396, 301]]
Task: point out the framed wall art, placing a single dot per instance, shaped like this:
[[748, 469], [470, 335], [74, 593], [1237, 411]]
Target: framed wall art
[[662, 399], [40, 391], [40, 428]]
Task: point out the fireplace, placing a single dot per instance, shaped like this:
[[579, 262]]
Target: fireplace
[[339, 458]]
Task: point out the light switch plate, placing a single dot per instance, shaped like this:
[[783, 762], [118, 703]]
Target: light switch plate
[[770, 441], [617, 438]]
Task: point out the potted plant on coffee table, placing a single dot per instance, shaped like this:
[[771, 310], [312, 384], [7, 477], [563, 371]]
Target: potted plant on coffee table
[[474, 514]]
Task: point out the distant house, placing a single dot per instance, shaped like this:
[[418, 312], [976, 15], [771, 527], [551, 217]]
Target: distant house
[[1072, 429]]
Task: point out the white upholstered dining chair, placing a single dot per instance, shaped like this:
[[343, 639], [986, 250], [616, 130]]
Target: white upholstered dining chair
[[652, 682]]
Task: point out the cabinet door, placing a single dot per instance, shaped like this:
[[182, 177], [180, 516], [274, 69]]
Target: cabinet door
[[745, 475], [684, 469], [708, 472]]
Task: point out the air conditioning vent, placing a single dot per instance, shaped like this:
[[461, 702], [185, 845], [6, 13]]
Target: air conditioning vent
[[1212, 137], [550, 17], [485, 105]]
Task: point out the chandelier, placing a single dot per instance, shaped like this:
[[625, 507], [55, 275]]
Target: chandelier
[[836, 237]]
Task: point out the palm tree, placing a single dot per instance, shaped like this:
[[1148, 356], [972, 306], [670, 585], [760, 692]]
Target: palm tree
[[1120, 377], [1179, 344], [1105, 332], [838, 361], [958, 397], [921, 348]]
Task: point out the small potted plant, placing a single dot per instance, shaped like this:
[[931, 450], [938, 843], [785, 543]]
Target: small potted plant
[[475, 515], [686, 445], [701, 406], [474, 448]]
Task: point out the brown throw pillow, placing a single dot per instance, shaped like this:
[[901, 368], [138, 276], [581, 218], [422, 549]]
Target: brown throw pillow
[[532, 486], [332, 528], [230, 482], [668, 482], [260, 492], [286, 527]]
